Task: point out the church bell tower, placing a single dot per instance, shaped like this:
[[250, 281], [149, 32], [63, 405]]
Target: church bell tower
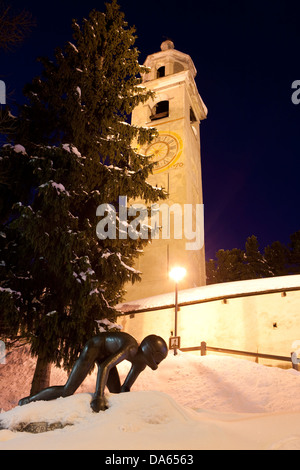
[[176, 112]]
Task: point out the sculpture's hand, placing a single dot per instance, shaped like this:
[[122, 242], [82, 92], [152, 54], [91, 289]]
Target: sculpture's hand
[[99, 404]]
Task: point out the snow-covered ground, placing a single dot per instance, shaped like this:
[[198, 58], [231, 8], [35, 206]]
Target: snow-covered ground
[[190, 402]]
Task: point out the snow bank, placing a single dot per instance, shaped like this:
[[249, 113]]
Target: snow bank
[[190, 402], [133, 421]]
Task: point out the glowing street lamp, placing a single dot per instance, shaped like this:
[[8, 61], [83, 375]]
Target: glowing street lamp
[[177, 274]]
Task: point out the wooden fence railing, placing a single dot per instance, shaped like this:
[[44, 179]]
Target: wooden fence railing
[[203, 348]]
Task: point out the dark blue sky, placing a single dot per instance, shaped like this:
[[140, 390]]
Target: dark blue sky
[[247, 55]]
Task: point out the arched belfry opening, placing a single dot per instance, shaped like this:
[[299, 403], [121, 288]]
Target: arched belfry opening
[[160, 110], [161, 72]]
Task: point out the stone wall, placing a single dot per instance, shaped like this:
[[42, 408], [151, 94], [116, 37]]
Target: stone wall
[[257, 316]]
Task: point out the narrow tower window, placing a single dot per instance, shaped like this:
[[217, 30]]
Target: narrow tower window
[[161, 72], [192, 116], [161, 110]]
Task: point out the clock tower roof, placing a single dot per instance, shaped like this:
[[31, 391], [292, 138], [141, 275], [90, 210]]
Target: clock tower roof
[[168, 61]]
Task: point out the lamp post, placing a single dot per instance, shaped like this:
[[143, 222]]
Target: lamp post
[[177, 274]]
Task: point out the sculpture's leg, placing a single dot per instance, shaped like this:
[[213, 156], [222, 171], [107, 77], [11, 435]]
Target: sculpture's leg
[[79, 372], [113, 382], [50, 393]]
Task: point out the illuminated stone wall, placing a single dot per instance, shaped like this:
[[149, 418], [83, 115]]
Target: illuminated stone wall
[[265, 318]]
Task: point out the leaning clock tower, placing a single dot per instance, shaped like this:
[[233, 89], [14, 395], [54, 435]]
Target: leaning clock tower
[[176, 111]]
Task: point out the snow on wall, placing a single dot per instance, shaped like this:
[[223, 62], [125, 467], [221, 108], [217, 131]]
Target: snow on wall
[[207, 293]]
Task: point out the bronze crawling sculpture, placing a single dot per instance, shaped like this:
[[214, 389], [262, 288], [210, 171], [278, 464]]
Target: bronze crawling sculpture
[[107, 350]]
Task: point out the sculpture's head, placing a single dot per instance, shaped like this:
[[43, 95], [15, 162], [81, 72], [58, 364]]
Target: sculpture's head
[[154, 350]]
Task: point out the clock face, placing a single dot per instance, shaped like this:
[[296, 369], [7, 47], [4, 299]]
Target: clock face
[[165, 150]]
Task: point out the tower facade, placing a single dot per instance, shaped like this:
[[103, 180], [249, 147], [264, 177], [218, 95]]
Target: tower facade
[[176, 111]]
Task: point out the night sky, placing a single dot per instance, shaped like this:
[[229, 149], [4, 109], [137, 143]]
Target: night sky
[[247, 56]]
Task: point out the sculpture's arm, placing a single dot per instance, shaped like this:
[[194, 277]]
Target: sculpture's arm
[[99, 402], [136, 368]]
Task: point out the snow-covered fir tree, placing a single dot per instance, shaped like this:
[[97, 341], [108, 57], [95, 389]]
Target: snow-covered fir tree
[[72, 151]]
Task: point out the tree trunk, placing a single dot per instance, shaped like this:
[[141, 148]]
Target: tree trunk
[[41, 378]]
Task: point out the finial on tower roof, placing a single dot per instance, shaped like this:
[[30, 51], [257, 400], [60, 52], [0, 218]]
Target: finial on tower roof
[[167, 45]]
